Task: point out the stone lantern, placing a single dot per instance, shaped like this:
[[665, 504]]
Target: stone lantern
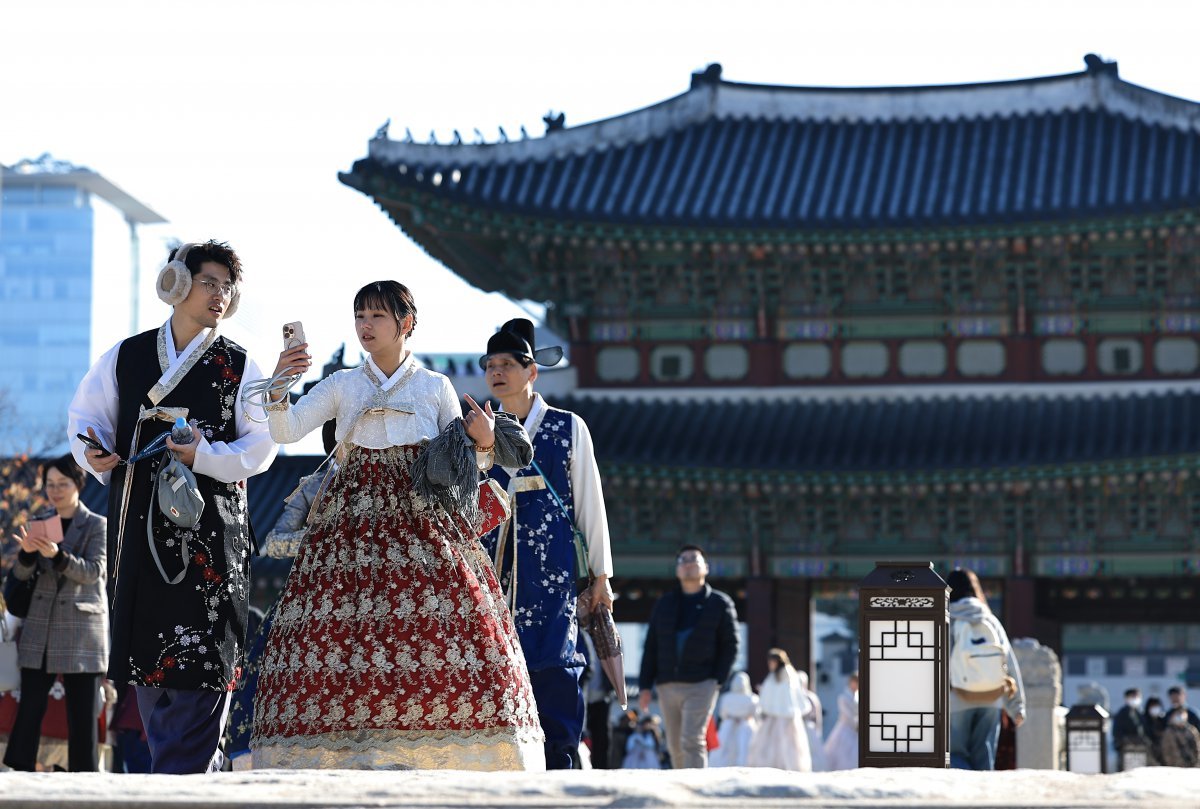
[[1086, 742], [1134, 755], [904, 682]]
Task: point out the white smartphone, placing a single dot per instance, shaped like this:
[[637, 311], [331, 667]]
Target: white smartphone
[[293, 334]]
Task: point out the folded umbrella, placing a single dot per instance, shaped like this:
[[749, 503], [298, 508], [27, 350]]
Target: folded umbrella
[[599, 624]]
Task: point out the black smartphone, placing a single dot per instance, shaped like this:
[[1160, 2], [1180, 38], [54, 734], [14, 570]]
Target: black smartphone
[[93, 443]]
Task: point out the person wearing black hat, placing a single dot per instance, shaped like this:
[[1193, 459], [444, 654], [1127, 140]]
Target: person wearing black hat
[[534, 551]]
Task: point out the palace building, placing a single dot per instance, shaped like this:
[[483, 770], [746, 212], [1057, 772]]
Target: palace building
[[812, 328]]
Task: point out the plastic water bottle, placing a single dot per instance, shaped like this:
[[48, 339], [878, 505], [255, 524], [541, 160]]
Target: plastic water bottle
[[181, 433]]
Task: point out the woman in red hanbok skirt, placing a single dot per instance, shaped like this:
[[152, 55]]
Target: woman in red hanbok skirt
[[392, 646]]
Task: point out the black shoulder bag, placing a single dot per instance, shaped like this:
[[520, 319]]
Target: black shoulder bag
[[18, 593]]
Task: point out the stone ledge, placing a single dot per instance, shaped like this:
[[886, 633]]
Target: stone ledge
[[1149, 788]]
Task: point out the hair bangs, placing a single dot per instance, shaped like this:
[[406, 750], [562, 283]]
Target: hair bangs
[[373, 296]]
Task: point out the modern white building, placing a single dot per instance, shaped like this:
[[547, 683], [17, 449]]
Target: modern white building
[[69, 267]]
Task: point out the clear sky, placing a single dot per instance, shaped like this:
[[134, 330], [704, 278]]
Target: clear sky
[[232, 119]]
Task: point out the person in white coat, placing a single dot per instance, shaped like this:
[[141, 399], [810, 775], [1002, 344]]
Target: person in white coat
[[814, 722], [781, 740], [841, 748], [738, 711]]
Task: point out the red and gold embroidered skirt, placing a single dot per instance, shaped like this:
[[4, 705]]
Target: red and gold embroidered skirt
[[392, 646]]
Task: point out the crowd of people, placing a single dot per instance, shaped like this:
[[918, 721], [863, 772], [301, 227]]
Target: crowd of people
[[1168, 734], [428, 621]]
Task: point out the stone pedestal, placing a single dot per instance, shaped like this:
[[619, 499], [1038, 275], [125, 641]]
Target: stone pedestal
[[1040, 738]]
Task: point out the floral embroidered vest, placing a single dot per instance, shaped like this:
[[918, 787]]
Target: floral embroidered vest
[[190, 635], [540, 533]]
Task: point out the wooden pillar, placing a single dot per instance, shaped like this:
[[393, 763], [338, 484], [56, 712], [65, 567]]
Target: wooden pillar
[[1022, 619], [1020, 599], [778, 613], [793, 621], [760, 624]]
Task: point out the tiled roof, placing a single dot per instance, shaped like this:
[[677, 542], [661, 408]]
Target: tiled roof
[[730, 155], [883, 435], [832, 436]]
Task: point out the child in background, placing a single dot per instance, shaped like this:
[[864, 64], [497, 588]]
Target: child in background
[[643, 749]]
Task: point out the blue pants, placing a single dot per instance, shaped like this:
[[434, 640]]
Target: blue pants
[[973, 737], [183, 728], [133, 753], [561, 712]]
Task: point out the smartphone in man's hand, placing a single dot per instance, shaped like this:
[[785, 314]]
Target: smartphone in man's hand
[[92, 443]]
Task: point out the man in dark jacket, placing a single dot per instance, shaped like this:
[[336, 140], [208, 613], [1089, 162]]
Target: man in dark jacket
[[1177, 694], [1128, 728], [691, 644]]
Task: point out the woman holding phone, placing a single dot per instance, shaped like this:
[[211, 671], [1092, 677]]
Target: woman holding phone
[[391, 645], [66, 630]]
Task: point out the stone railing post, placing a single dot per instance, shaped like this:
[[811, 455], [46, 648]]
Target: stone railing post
[[1039, 739]]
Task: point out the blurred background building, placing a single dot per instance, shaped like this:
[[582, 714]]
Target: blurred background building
[[69, 255]]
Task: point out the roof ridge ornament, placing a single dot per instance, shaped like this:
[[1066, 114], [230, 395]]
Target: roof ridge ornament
[[1096, 65], [711, 75], [555, 123]]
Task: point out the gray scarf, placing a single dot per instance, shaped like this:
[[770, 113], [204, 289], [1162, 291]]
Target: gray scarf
[[446, 471]]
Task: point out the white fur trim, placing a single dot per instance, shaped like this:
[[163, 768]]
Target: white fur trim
[[233, 302], [174, 283]]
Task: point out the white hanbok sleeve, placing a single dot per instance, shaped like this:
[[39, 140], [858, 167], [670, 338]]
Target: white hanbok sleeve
[[247, 455], [590, 515], [290, 424], [804, 708], [95, 405], [448, 407]]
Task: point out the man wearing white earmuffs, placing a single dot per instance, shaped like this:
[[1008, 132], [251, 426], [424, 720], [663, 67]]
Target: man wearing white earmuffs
[[181, 594]]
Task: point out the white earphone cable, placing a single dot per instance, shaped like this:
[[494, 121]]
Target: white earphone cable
[[261, 392]]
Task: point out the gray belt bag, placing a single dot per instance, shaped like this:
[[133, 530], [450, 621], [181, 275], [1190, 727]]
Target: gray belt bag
[[180, 501]]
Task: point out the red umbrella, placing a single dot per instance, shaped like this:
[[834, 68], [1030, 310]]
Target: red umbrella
[[598, 622]]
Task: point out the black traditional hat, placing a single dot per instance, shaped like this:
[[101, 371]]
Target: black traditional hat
[[516, 337]]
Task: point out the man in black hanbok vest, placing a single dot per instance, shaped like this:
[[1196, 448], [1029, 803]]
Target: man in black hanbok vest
[[181, 596]]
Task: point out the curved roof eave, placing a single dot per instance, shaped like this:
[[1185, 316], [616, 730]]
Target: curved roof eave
[[1093, 89]]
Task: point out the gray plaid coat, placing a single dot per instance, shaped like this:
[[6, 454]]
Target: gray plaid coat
[[67, 625]]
